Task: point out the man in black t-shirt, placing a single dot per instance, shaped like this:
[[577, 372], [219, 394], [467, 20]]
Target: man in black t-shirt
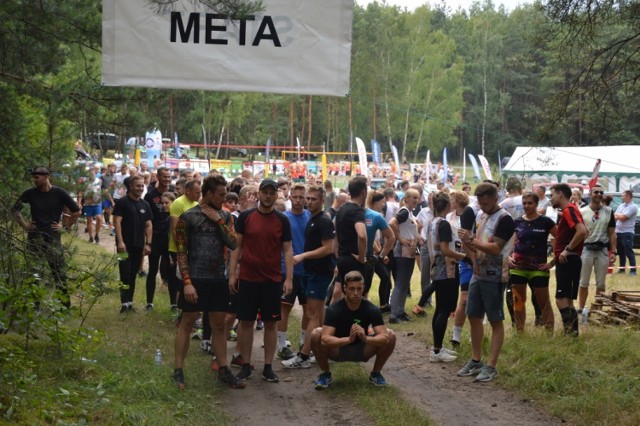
[[351, 231], [160, 245], [343, 337], [47, 203], [318, 265], [132, 221]]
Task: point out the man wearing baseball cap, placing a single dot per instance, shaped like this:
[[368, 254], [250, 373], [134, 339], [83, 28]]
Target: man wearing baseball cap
[[262, 235], [47, 203]]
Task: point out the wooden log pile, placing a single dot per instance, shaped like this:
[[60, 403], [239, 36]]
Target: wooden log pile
[[618, 308]]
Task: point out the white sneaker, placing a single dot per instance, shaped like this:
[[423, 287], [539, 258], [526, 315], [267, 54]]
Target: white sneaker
[[449, 351], [296, 362], [441, 357]]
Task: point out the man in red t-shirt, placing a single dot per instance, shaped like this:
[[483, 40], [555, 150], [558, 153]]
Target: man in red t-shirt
[[262, 235], [567, 250]]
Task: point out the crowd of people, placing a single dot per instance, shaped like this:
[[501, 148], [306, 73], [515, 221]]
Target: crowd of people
[[239, 254]]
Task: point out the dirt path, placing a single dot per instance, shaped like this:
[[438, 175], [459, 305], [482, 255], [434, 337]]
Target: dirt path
[[292, 401], [449, 399], [433, 388]]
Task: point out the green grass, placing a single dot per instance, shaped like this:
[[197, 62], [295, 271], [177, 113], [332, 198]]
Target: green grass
[[592, 379]]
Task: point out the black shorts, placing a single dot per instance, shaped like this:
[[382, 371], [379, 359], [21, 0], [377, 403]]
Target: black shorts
[[568, 278], [259, 296], [347, 264], [213, 296], [352, 353], [299, 290]]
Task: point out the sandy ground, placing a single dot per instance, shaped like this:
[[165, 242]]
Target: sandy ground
[[433, 388]]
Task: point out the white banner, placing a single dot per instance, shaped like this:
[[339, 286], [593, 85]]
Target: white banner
[[293, 46], [362, 157], [485, 166]]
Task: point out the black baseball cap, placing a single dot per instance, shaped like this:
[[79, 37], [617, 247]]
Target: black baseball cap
[[268, 182]]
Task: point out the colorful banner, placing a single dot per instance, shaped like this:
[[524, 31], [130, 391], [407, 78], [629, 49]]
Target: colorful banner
[[485, 166], [294, 47], [362, 157], [375, 150]]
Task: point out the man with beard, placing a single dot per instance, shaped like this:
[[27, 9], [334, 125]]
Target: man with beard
[[43, 232], [132, 221], [262, 235], [204, 233], [160, 247], [567, 250]]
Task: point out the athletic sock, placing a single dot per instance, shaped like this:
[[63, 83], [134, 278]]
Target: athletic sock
[[457, 333], [565, 314], [574, 322], [282, 339], [303, 356]]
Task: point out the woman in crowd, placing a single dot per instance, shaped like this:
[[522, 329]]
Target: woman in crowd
[[445, 255], [376, 253], [405, 229], [529, 262]]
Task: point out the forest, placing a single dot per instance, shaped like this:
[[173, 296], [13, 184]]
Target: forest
[[553, 73]]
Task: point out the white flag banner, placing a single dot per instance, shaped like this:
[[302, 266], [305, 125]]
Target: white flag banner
[[362, 157], [485, 166], [293, 47]]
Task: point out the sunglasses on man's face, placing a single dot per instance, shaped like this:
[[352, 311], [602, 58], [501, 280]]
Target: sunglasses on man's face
[[598, 192]]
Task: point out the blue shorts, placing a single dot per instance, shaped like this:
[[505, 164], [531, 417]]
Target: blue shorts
[[317, 285], [93, 210], [106, 204], [466, 272], [486, 297]]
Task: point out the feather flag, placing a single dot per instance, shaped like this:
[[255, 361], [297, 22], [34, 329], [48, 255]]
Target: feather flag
[[476, 169], [485, 166], [427, 163], [375, 150], [394, 151], [444, 165], [176, 145], [362, 157], [464, 164], [594, 176]]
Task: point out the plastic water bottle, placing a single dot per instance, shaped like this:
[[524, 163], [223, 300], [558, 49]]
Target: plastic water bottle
[[158, 357]]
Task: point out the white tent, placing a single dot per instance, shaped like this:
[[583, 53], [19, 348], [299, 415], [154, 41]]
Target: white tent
[[619, 170]]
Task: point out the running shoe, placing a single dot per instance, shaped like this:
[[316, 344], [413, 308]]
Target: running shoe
[[323, 381], [286, 353], [97, 240], [232, 336], [394, 320], [245, 373], [205, 345], [385, 309], [404, 317], [178, 378], [449, 351], [470, 368], [149, 307], [237, 361], [91, 239], [487, 373], [214, 364], [297, 362], [377, 379], [226, 376], [259, 325], [441, 356], [418, 311], [269, 375]]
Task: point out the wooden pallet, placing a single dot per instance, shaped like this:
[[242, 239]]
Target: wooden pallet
[[619, 308]]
